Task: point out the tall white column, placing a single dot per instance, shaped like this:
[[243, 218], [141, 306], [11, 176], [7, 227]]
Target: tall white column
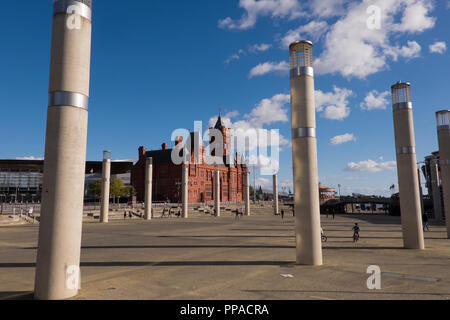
[[436, 189], [407, 167], [443, 126], [304, 155], [422, 207], [148, 188], [106, 180], [275, 194], [217, 193], [58, 256], [247, 192], [185, 190]]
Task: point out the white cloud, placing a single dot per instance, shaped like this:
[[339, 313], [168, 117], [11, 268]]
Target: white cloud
[[266, 165], [351, 48], [255, 9], [327, 8], [438, 47], [336, 112], [313, 30], [231, 114], [267, 184], [30, 158], [264, 183], [270, 110], [286, 185], [343, 139], [266, 112], [415, 17], [375, 100], [259, 47], [371, 166], [412, 50], [252, 49], [232, 58], [268, 67], [354, 50], [333, 104]]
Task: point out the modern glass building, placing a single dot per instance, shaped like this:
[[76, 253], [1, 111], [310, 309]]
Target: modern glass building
[[21, 180]]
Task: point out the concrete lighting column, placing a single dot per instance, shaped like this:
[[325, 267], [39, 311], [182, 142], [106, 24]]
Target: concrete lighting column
[[275, 194], [407, 167], [247, 192], [436, 189], [58, 256], [106, 181], [184, 190], [217, 193], [443, 126], [419, 178], [304, 155], [148, 188]]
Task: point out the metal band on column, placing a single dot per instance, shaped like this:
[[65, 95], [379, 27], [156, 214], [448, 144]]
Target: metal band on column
[[406, 150], [83, 7], [65, 98], [302, 71], [303, 133], [402, 106]]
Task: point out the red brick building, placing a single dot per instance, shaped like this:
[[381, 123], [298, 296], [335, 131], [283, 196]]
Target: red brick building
[[167, 175]]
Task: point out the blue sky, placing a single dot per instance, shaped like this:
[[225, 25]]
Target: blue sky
[[158, 66]]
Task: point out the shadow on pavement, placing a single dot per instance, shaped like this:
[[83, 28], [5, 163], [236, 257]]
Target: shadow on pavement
[[161, 264], [19, 295], [352, 292], [183, 247]]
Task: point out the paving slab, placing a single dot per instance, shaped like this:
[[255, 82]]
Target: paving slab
[[210, 258]]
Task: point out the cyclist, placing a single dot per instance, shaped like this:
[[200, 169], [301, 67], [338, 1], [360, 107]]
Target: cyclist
[[322, 235], [356, 231]]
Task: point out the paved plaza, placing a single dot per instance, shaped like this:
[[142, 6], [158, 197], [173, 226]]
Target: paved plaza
[[222, 258]]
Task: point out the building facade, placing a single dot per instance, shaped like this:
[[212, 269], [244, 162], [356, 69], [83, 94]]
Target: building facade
[[167, 175], [434, 183], [21, 180]]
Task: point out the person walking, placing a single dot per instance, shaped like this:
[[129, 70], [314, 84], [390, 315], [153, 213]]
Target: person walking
[[282, 214], [124, 215], [356, 231], [425, 222]]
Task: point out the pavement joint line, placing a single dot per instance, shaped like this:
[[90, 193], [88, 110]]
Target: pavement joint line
[[404, 276], [321, 298]]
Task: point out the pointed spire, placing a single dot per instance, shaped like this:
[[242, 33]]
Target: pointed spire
[[219, 123]]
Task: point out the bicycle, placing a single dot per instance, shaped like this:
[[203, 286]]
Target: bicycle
[[324, 238]]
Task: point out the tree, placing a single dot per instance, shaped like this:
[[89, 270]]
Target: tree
[[95, 188], [116, 188], [252, 191], [129, 191]]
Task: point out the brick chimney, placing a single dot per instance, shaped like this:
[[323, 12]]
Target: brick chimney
[[142, 151]]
